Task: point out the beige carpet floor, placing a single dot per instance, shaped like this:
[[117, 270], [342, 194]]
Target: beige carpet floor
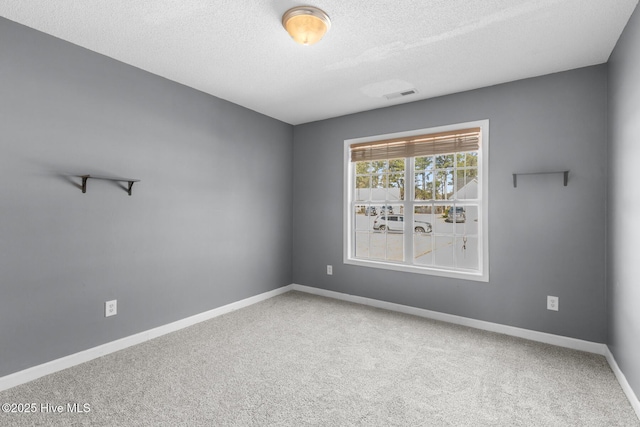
[[304, 360]]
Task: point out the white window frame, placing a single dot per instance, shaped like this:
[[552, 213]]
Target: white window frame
[[483, 192]]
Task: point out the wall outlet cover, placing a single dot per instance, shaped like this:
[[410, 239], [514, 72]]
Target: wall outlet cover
[[553, 303], [111, 308], [329, 270]]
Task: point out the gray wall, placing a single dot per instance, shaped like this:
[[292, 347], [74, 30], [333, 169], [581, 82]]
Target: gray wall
[[623, 203], [209, 223], [545, 239]]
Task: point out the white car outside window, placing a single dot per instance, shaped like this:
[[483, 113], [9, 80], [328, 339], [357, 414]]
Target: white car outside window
[[395, 223]]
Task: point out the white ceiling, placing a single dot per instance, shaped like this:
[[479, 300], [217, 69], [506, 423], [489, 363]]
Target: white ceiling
[[237, 49]]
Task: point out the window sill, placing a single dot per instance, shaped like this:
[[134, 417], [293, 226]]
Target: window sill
[[431, 271]]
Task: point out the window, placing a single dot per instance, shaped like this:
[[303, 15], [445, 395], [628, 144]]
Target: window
[[417, 201]]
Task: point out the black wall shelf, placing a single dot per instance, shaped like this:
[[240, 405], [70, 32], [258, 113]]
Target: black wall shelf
[[128, 180], [515, 176]]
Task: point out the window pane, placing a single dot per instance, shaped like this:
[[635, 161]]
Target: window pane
[[377, 246], [389, 221], [363, 181], [379, 190], [387, 246], [363, 168], [362, 244], [456, 216], [424, 210], [396, 209], [444, 161], [395, 247], [424, 186], [422, 238], [423, 219], [466, 220], [379, 232], [424, 163], [471, 159], [379, 166], [444, 185], [396, 187], [363, 188], [440, 223], [396, 165], [388, 236], [466, 252], [466, 184], [443, 251], [423, 249], [364, 215], [473, 214]]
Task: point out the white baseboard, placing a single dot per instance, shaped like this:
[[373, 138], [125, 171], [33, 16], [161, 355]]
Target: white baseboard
[[633, 399], [35, 372], [47, 368], [576, 344], [572, 343]]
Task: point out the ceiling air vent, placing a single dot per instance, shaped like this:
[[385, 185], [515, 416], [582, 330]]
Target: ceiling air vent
[[401, 94]]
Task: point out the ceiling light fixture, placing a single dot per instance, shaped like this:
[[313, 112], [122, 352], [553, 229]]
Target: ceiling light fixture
[[306, 24]]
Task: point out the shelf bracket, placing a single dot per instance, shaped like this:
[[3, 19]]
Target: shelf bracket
[[131, 186], [515, 176], [127, 180], [84, 183]]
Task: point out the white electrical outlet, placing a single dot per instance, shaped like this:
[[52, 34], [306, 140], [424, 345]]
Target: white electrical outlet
[[553, 303], [329, 270], [111, 308]]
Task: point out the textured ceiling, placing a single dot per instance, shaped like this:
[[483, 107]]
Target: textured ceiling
[[237, 49]]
